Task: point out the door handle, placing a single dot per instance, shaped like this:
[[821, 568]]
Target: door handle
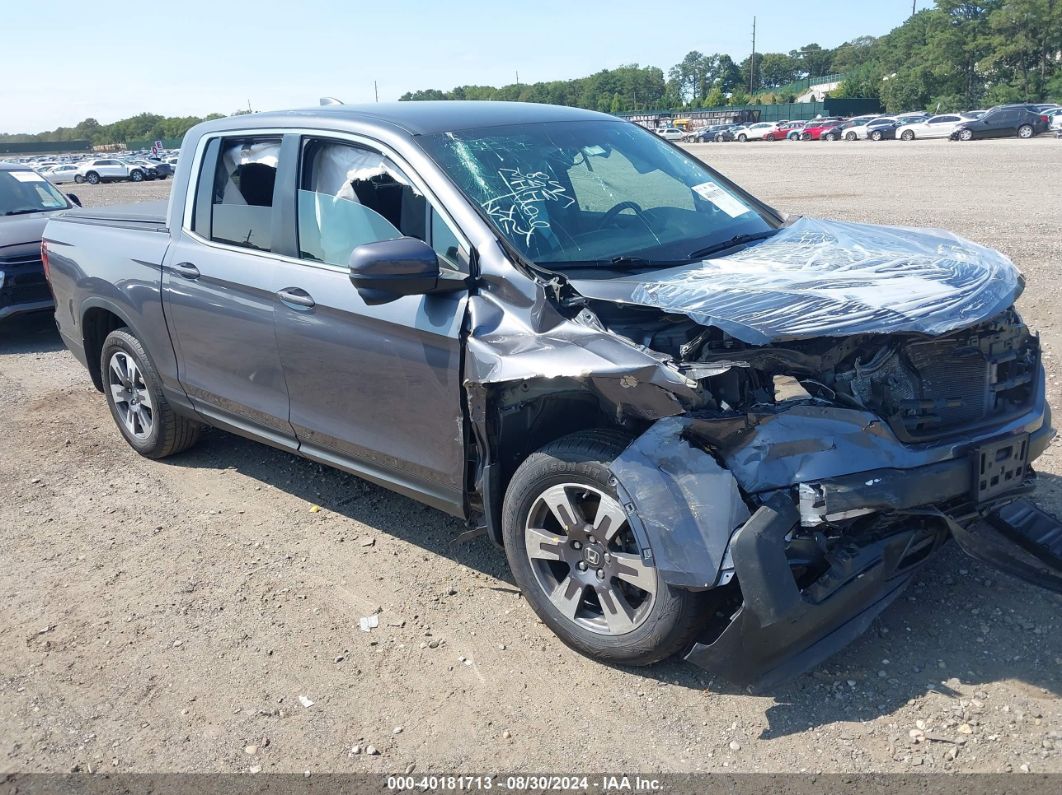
[[187, 270], [296, 297]]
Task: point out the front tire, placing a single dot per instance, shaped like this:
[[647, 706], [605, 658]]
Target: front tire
[[136, 175], [578, 562], [965, 135], [908, 135], [743, 138], [78, 179], [133, 390], [850, 136], [833, 137], [875, 136]]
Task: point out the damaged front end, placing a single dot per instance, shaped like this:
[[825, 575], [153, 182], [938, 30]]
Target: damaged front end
[[819, 475], [813, 418]]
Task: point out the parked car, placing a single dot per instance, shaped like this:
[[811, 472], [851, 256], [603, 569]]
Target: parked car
[[1002, 122], [706, 134], [727, 133], [795, 130], [882, 130], [941, 126], [822, 129], [670, 133], [27, 201], [62, 174], [150, 169], [110, 170], [784, 130], [162, 168], [1054, 119], [858, 129], [743, 463], [758, 131]]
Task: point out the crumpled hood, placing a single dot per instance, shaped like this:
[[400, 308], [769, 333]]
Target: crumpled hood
[[818, 278]]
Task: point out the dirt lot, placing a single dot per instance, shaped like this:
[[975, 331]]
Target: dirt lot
[[172, 616]]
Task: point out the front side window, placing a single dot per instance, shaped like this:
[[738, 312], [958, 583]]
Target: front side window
[[582, 194], [351, 195]]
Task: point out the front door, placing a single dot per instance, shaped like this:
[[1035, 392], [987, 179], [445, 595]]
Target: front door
[[219, 283], [374, 389]]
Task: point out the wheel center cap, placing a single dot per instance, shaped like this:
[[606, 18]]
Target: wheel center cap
[[593, 555]]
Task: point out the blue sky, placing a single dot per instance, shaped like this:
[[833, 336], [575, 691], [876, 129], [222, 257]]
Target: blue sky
[[65, 60]]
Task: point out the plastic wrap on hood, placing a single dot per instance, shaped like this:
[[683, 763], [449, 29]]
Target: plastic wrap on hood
[[819, 278]]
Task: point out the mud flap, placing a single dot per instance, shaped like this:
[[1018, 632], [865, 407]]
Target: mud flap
[[1019, 539]]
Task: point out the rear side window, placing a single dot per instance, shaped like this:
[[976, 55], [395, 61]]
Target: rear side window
[[234, 201]]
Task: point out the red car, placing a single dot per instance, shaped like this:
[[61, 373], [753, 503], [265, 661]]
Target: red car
[[822, 129], [782, 131]]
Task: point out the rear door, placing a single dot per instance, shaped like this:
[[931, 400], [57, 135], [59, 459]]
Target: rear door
[[219, 284], [374, 389], [941, 126]]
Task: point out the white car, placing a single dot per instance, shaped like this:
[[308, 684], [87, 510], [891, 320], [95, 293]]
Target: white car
[[757, 131], [109, 170], [859, 131], [671, 133], [1054, 119], [940, 126], [63, 173]]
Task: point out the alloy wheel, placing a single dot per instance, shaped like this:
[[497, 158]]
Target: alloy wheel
[[587, 561], [131, 396]]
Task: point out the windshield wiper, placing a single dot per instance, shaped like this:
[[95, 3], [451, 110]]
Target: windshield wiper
[[736, 240], [615, 263], [23, 212]]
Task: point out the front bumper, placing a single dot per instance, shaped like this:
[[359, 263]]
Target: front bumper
[[688, 482], [780, 629], [24, 288]]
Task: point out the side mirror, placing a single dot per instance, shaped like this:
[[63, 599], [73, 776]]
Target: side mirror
[[388, 269], [73, 198]]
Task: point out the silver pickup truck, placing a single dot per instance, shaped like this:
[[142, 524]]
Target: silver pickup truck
[[695, 426]]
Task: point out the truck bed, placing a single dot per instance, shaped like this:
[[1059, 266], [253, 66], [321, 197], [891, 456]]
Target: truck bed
[[147, 216]]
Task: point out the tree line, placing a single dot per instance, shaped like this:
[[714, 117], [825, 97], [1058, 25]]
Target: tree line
[[963, 54], [958, 54], [142, 127]]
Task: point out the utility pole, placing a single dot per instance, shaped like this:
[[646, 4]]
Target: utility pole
[[752, 60], [914, 5], [376, 90], [517, 78]]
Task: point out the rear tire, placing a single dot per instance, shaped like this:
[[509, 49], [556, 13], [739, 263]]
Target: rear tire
[[596, 592], [133, 390], [1025, 131], [92, 178]]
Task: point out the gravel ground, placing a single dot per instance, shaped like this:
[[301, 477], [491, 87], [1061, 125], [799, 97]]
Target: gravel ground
[[197, 615]]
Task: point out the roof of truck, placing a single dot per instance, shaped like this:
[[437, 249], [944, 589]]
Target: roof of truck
[[426, 118]]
